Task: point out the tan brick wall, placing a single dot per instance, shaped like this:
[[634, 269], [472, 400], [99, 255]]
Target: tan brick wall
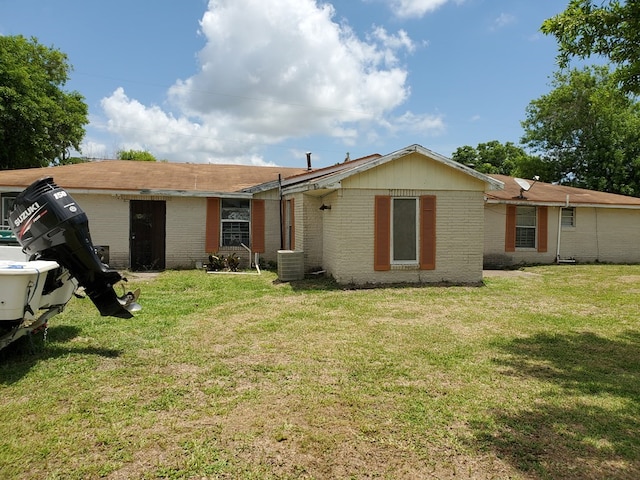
[[600, 234], [348, 239], [312, 225], [108, 224], [604, 235], [185, 232]]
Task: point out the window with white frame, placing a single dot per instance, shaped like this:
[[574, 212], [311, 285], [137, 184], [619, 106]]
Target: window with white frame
[[568, 217], [526, 223], [404, 231], [235, 218]]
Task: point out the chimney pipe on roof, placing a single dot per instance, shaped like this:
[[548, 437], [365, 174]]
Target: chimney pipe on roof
[[308, 160]]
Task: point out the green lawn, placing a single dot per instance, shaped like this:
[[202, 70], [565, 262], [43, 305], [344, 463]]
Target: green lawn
[[533, 376]]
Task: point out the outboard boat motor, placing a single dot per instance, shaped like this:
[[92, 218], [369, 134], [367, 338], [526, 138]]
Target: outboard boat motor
[[50, 225]]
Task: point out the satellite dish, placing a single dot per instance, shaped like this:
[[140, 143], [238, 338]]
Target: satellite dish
[[524, 185]]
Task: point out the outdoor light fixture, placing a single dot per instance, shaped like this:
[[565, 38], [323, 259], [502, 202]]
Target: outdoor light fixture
[[325, 207]]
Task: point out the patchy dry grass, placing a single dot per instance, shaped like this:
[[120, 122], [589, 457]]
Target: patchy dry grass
[[530, 376]]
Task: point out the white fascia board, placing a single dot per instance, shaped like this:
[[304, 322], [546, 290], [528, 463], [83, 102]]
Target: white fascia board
[[530, 203], [310, 187], [263, 187], [158, 193]]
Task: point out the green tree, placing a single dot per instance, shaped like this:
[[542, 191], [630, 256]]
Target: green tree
[[73, 160], [137, 155], [610, 29], [495, 157], [586, 131], [39, 122]]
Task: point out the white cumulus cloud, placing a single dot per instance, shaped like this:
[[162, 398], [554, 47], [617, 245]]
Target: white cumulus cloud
[[417, 8], [503, 20], [272, 70]]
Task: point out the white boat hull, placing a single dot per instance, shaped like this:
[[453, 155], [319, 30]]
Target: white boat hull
[[30, 294]]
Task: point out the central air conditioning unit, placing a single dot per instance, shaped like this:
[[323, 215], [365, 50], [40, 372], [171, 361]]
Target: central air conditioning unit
[[290, 265]]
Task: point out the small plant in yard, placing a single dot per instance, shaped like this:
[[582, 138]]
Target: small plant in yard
[[241, 376], [232, 262], [218, 263]]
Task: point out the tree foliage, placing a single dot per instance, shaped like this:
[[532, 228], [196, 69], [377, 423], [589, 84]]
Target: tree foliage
[[495, 157], [586, 131], [39, 122], [137, 155], [611, 30]]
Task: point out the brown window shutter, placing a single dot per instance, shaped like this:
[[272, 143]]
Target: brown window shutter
[[257, 226], [510, 230], [212, 239], [382, 234], [543, 220], [427, 232]]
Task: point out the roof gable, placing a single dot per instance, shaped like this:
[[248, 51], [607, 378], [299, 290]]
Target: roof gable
[[331, 178]]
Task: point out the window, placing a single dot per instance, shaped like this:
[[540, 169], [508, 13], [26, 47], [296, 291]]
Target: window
[[235, 221], [525, 227], [235, 217], [569, 217], [404, 230]]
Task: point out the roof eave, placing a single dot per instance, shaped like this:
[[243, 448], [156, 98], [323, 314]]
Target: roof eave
[[524, 201], [158, 193]]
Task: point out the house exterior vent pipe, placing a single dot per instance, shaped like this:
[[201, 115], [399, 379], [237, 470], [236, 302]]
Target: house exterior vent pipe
[[308, 160]]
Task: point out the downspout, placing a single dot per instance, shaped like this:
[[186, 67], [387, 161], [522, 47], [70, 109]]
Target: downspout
[[566, 204], [281, 224], [256, 257]]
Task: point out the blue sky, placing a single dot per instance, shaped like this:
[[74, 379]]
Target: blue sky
[[264, 81]]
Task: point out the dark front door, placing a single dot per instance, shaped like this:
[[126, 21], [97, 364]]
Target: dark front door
[[147, 233]]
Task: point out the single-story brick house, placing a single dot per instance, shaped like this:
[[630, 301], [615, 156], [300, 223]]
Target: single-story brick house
[[555, 223], [410, 216], [152, 215]]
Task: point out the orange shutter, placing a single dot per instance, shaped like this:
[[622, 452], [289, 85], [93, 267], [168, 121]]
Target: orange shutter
[[257, 226], [543, 216], [382, 233], [212, 239], [510, 231], [427, 232]]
